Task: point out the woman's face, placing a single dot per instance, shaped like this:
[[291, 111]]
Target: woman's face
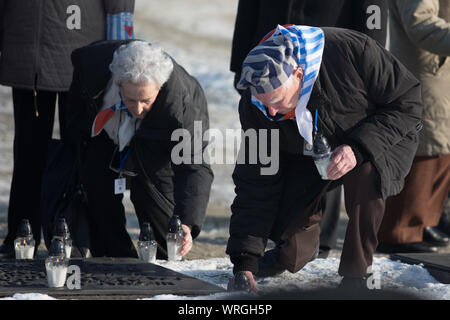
[[138, 98]]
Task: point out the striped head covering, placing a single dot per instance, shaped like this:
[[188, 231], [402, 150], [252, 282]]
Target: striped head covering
[[272, 62]]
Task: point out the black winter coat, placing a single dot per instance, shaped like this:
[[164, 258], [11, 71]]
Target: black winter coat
[[180, 102], [366, 98], [256, 18], [35, 42]]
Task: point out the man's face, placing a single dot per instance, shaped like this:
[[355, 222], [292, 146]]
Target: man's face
[[284, 98], [138, 98]]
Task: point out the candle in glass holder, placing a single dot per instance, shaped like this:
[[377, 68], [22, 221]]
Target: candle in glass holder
[[174, 239], [147, 245], [62, 232], [24, 242], [322, 155], [56, 264]]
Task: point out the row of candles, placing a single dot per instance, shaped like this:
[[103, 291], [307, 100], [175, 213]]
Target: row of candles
[[57, 262]]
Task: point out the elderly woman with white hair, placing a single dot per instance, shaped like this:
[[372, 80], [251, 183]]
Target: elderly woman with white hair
[[126, 99]]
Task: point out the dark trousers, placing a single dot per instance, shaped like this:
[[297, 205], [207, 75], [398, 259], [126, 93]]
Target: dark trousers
[[31, 136], [331, 209], [365, 207], [107, 220]]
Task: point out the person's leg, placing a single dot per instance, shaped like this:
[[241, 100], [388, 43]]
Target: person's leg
[[62, 100], [107, 221], [420, 202], [31, 135], [148, 210], [300, 238], [365, 207], [330, 221], [444, 221]]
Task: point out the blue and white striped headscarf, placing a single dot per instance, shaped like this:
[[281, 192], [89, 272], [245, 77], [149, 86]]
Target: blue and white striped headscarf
[[270, 64]]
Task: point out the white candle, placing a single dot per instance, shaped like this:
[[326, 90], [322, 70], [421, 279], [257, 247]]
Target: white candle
[[56, 275], [24, 252], [322, 165], [174, 246], [67, 251]]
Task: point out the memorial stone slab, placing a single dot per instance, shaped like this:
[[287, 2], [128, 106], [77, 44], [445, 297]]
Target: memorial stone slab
[[437, 264], [124, 278]]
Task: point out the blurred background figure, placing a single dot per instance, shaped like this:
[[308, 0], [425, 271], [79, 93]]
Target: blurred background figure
[[420, 38], [256, 18], [36, 41]]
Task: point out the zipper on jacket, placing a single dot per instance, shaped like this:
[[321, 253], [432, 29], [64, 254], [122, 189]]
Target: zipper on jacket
[[36, 57]]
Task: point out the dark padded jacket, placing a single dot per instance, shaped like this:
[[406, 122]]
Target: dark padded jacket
[[366, 98], [180, 102], [35, 42]]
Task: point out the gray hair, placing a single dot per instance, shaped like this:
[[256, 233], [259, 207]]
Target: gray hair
[[141, 62]]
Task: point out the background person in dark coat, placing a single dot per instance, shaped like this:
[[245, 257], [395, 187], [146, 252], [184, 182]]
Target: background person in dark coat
[[158, 96], [36, 40], [369, 108], [256, 18]]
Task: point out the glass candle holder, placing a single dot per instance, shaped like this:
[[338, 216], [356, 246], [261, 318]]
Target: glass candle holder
[[322, 162], [174, 241], [61, 232], [56, 268], [147, 250], [24, 247], [68, 247]]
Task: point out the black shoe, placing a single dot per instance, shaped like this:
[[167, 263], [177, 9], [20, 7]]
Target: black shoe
[[323, 252], [268, 265], [435, 237], [411, 247], [7, 251]]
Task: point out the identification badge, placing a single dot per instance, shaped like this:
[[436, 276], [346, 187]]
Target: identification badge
[[307, 149], [119, 185]]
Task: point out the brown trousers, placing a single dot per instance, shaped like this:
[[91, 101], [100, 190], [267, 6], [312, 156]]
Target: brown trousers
[[365, 207], [420, 203]]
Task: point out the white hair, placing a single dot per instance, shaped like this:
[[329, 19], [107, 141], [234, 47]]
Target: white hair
[[141, 62]]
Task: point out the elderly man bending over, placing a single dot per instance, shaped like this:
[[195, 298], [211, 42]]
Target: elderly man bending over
[[126, 99], [364, 102]]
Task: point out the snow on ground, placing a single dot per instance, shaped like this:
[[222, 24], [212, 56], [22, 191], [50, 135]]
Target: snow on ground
[[318, 274], [394, 276]]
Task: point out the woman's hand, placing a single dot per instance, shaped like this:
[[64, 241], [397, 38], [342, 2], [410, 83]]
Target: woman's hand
[[187, 243]]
